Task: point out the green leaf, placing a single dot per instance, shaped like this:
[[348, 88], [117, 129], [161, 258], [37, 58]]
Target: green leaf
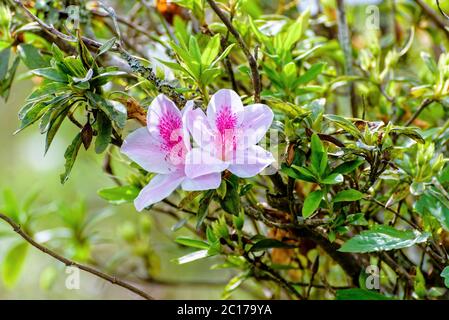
[[70, 156], [223, 55], [430, 63], [119, 195], [333, 178], [420, 284], [383, 238], [56, 121], [359, 294], [105, 47], [310, 74], [318, 158], [348, 195], [265, 244], [194, 49], [51, 74], [412, 133], [296, 30], [445, 275], [199, 244], [348, 167], [204, 206], [31, 115], [345, 124], [300, 173], [115, 112], [312, 203], [104, 131], [231, 201], [13, 263], [31, 56], [4, 62], [211, 50], [197, 255]]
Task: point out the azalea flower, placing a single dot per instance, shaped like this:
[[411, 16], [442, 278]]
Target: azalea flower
[[226, 138], [161, 148]]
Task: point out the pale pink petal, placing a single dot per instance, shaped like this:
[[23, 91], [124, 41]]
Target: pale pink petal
[[206, 182], [164, 121], [199, 127], [225, 110], [185, 113], [142, 148], [257, 120], [200, 162], [159, 188], [251, 162]]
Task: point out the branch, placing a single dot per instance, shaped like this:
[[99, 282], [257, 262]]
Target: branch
[[251, 59], [424, 104], [69, 262], [135, 65], [428, 11]]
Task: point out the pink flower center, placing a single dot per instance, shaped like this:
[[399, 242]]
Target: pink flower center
[[226, 122], [170, 130]]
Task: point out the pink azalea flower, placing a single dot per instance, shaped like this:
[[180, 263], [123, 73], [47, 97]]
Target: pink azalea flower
[[227, 137], [161, 148]]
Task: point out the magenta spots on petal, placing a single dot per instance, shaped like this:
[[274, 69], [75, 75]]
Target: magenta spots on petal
[[225, 119], [170, 130]]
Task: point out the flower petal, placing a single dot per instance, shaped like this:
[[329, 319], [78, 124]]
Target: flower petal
[[164, 120], [159, 188], [225, 110], [200, 162], [206, 182], [141, 148], [251, 162], [200, 129], [185, 113], [257, 120]]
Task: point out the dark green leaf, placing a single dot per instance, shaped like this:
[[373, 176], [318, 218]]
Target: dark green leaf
[[51, 74], [333, 178], [231, 201], [348, 167], [383, 238], [115, 112], [31, 56], [266, 243], [348, 195], [359, 294], [345, 124], [104, 131], [4, 62], [204, 206], [70, 156], [310, 74], [445, 275]]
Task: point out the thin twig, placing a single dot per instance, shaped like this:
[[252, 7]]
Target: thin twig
[[428, 11], [69, 262], [251, 60], [424, 104]]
